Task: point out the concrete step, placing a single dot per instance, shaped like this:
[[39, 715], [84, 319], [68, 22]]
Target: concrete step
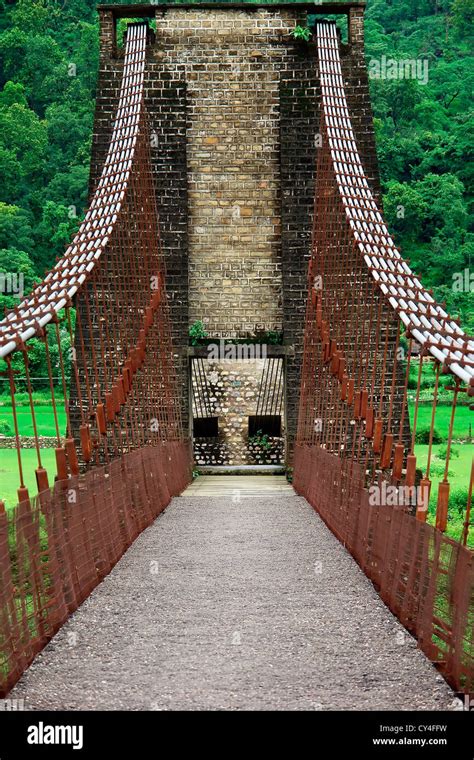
[[238, 487]]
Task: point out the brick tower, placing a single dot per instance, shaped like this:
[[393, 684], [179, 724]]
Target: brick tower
[[234, 108]]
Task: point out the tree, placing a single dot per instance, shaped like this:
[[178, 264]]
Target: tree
[[405, 210], [17, 277], [446, 214], [15, 228], [35, 61], [35, 16], [24, 134], [53, 234], [463, 14], [10, 170]]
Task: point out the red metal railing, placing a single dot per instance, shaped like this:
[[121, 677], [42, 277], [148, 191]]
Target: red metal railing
[[124, 454], [370, 325]]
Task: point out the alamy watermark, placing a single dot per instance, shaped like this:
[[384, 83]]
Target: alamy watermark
[[12, 284], [223, 351], [405, 68], [12, 705], [43, 733], [387, 495], [463, 282]]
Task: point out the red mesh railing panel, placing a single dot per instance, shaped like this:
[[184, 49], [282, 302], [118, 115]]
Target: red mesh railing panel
[[425, 578], [55, 548], [374, 338]]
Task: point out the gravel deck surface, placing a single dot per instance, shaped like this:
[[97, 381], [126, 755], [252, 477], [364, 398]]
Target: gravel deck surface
[[234, 604]]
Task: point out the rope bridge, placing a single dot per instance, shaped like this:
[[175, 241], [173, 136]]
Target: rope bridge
[[102, 311], [124, 454], [367, 318]]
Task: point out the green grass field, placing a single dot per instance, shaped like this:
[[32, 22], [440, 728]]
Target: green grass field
[[9, 479], [463, 420], [459, 466], [44, 419], [458, 476]]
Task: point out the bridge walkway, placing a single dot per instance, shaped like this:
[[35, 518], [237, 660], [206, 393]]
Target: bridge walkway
[[237, 597]]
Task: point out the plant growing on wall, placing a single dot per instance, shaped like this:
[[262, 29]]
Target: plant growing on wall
[[197, 332], [261, 439], [301, 33]]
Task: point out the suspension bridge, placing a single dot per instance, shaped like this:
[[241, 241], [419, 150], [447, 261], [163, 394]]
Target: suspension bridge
[[245, 592]]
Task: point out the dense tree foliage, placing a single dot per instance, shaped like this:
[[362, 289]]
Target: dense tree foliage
[[48, 64], [424, 135]]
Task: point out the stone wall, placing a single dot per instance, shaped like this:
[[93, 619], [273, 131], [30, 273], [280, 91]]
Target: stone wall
[[232, 396], [29, 442], [231, 61]]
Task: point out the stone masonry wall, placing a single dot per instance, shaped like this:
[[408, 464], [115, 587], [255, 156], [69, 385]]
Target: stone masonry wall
[[232, 61], [233, 393]]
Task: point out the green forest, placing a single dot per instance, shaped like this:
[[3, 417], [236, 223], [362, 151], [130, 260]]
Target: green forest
[[48, 64]]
